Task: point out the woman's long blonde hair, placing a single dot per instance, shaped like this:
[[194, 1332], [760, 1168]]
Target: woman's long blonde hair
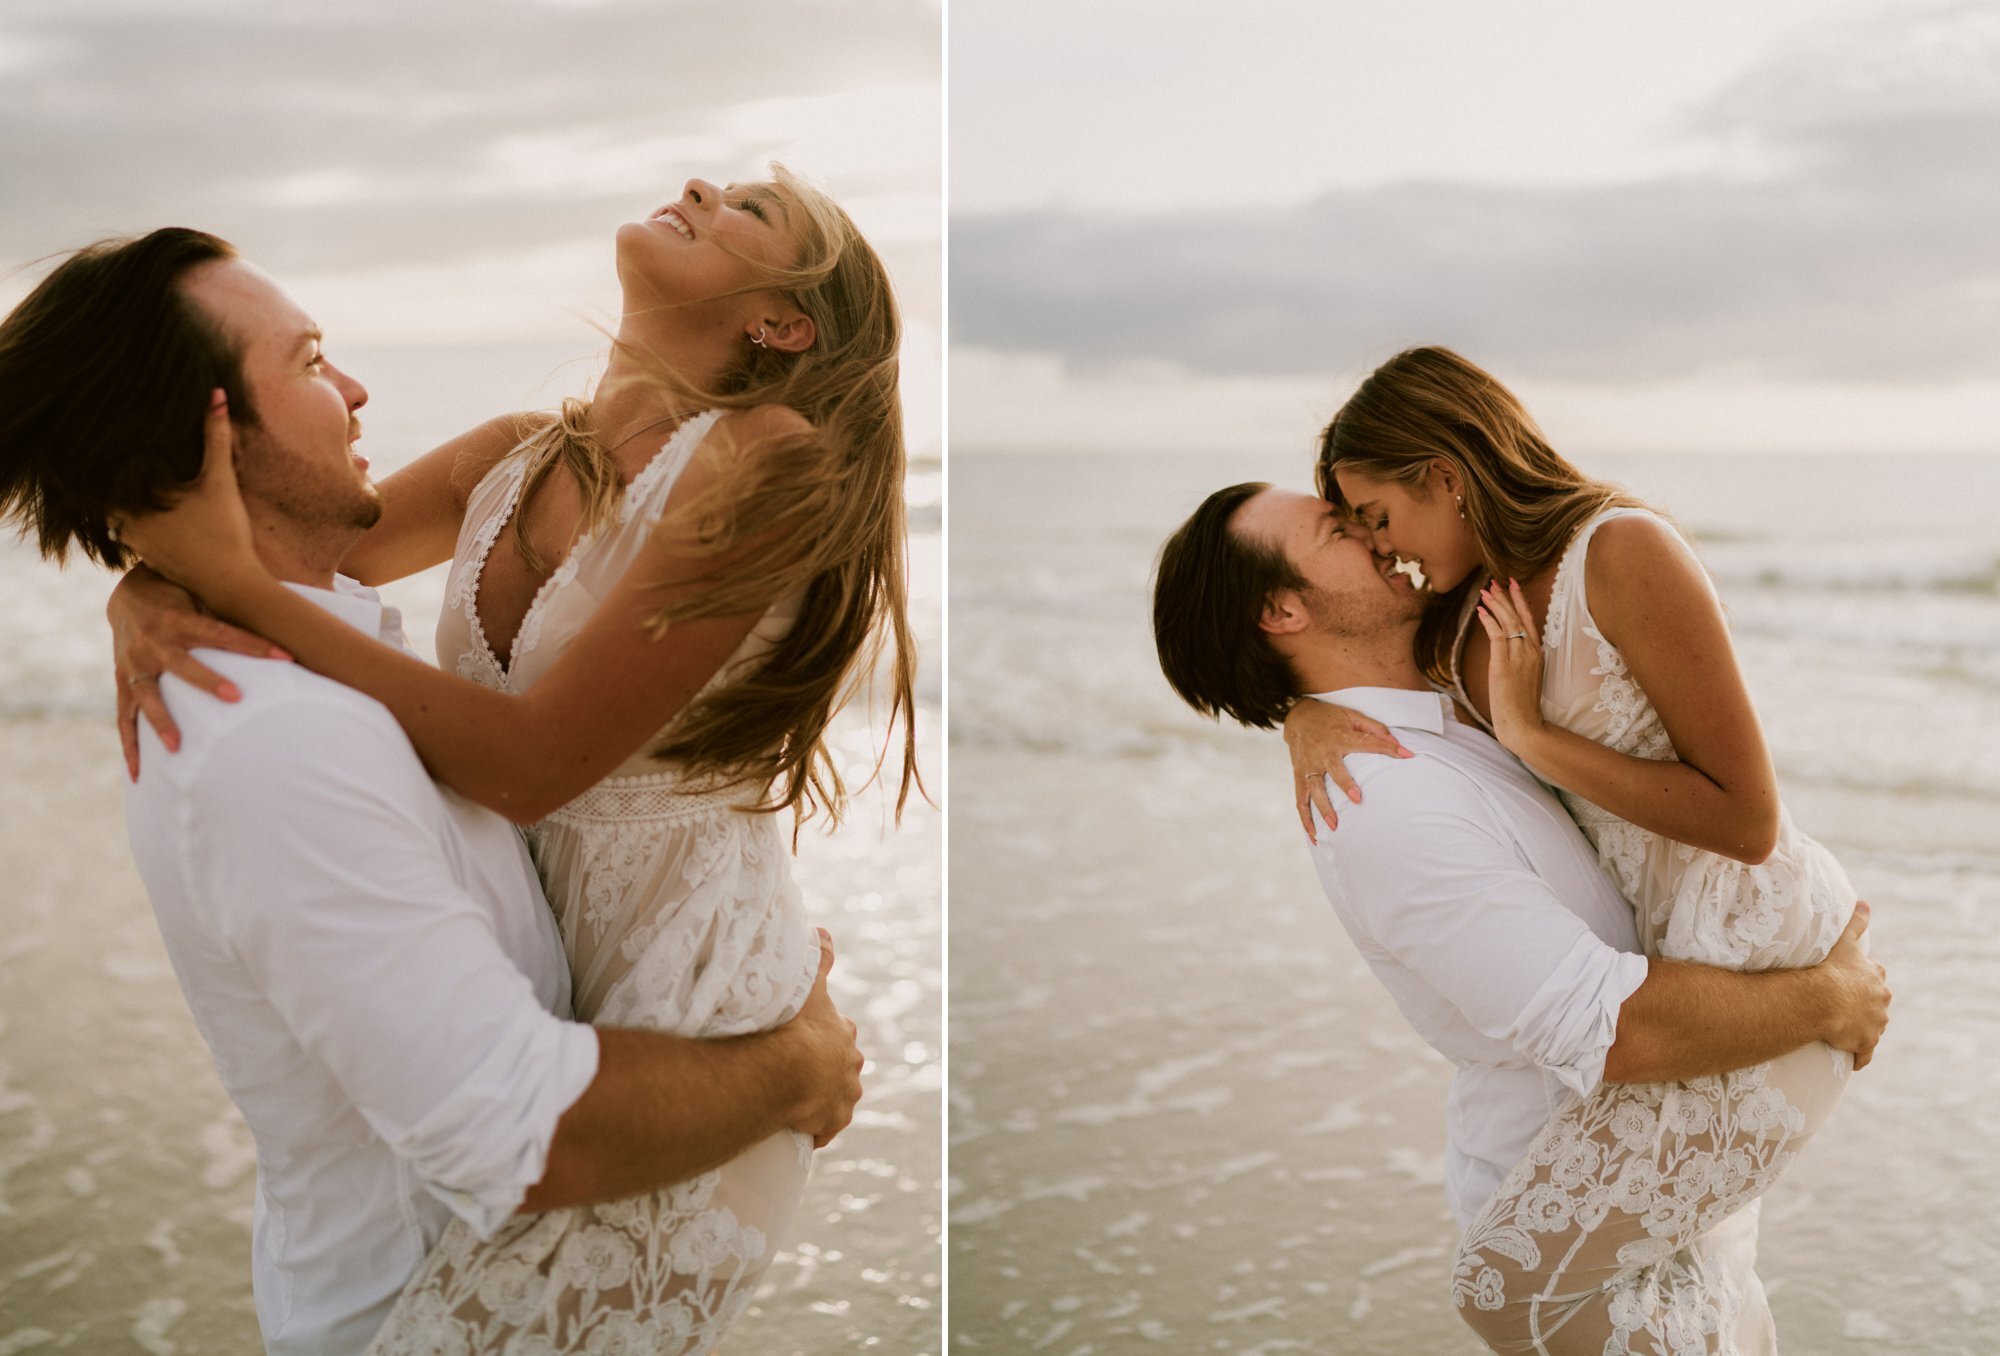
[[819, 513], [1523, 502]]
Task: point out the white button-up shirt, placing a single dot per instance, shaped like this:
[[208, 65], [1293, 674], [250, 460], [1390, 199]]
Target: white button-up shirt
[[1484, 912], [371, 961]]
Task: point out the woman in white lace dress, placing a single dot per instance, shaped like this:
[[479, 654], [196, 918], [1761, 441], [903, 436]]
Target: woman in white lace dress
[[1602, 660], [658, 599]]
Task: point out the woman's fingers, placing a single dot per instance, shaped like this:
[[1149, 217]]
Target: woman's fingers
[[1383, 741], [128, 728], [1313, 795], [146, 693], [188, 669], [215, 634]]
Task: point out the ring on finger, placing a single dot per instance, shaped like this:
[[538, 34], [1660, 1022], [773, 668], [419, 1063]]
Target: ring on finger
[[1517, 635], [133, 680]]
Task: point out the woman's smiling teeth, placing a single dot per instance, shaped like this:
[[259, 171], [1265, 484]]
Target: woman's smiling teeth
[[672, 216], [1410, 570]]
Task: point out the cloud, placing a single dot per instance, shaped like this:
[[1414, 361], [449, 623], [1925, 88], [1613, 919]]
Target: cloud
[[366, 133], [1846, 235]]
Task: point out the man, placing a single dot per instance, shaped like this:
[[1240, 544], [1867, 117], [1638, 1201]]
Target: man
[[1472, 895], [367, 955]]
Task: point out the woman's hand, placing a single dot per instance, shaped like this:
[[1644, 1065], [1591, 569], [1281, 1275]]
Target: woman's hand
[[1320, 736], [154, 625], [1514, 669], [203, 542]]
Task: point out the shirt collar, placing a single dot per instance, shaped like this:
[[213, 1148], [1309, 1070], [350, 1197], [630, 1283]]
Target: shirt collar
[[1407, 708], [357, 605]]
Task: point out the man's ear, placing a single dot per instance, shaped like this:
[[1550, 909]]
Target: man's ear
[[787, 329], [1283, 613]]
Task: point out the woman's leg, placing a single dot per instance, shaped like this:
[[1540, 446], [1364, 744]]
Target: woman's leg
[[1595, 1242]]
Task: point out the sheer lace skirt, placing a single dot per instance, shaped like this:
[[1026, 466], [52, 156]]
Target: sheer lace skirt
[[679, 914], [1604, 1239]]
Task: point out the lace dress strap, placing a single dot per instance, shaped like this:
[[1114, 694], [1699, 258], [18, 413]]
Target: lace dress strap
[[646, 496], [1569, 602]]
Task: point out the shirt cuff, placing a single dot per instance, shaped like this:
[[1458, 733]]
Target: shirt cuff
[[1569, 1026], [484, 1146]]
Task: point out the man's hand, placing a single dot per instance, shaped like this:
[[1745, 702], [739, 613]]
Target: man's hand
[[829, 1057], [1860, 992]]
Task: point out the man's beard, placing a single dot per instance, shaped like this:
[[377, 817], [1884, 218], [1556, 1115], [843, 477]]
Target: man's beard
[[1360, 614], [313, 498]]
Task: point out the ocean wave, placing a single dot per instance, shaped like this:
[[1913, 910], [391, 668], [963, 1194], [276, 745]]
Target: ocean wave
[[1850, 568]]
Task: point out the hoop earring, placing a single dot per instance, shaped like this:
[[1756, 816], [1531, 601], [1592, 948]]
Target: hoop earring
[[762, 340]]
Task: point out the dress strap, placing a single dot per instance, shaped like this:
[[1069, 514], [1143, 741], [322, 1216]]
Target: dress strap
[[1466, 611], [1569, 603], [646, 496]]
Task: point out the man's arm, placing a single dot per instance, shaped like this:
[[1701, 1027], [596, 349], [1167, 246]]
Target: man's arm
[[1689, 1020], [666, 1108]]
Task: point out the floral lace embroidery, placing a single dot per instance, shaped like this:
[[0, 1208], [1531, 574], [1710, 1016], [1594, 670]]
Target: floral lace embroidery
[[1589, 1234], [1602, 1232], [678, 913], [668, 1272]]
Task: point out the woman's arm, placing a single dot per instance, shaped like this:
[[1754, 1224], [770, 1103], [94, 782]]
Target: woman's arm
[[522, 755], [424, 503], [525, 754], [154, 624], [1651, 599]]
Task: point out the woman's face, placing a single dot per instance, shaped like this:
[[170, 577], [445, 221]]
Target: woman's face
[[1421, 526], [705, 246]]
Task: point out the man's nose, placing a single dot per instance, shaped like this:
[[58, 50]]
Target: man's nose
[[356, 393]]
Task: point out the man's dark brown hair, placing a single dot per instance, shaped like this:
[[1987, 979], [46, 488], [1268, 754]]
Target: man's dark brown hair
[[106, 371], [1208, 597]]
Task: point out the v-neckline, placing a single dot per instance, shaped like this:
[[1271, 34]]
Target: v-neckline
[[505, 667], [566, 566]]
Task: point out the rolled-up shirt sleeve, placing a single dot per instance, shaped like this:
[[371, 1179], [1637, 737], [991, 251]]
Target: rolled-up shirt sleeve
[[335, 898], [1459, 907]]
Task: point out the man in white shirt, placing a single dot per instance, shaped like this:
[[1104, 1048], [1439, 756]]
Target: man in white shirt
[[368, 955], [1460, 879]]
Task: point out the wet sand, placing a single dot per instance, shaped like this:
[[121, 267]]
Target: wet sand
[[126, 1175], [1187, 1118]]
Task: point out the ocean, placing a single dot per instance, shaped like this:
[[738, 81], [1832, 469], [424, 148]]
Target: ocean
[[1185, 1117], [125, 1173]]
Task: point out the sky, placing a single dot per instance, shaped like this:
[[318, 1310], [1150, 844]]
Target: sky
[[448, 173], [1706, 226]]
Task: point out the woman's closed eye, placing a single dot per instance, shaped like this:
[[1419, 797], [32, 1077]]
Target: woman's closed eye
[[755, 207]]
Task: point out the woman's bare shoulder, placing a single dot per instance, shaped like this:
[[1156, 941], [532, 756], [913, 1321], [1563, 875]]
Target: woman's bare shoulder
[[1639, 561]]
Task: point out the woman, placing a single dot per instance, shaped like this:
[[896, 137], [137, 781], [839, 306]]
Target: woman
[[1602, 660], [700, 562]]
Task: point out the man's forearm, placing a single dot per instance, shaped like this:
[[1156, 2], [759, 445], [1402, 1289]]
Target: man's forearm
[[666, 1108], [1689, 1020]]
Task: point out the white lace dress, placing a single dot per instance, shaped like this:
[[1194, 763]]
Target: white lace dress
[[678, 913], [1631, 1224]]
